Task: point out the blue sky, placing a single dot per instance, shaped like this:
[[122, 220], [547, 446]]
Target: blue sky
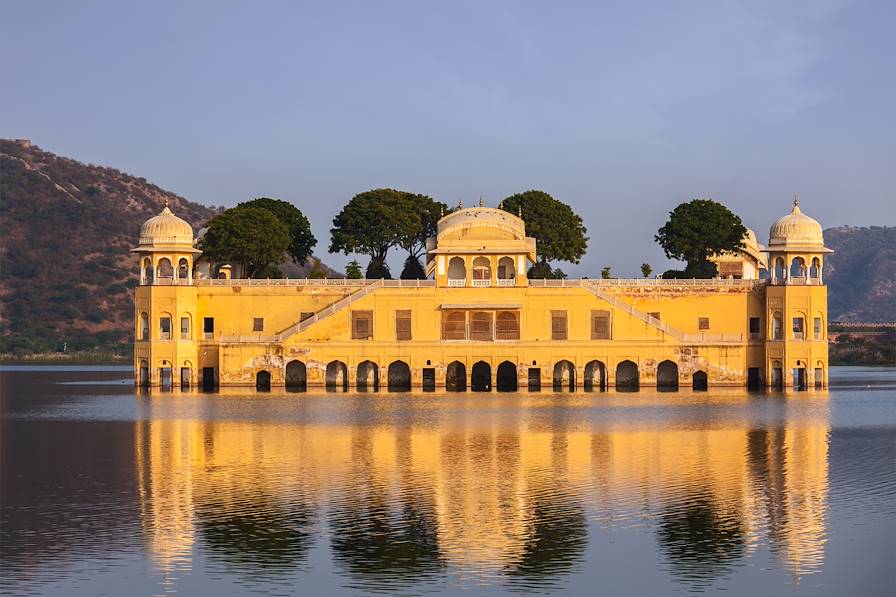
[[622, 110]]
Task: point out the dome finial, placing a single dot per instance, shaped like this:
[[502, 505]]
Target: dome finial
[[480, 201], [166, 201], [796, 202], [519, 211]]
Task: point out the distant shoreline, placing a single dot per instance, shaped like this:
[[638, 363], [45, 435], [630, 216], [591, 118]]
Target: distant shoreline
[[79, 358]]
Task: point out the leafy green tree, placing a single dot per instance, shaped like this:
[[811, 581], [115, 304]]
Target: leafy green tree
[[428, 211], [697, 230], [542, 270], [353, 270], [558, 230], [251, 237], [413, 269], [371, 223], [301, 238], [646, 270], [605, 273]]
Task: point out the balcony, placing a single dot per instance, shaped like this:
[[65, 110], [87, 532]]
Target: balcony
[[482, 283], [457, 283], [506, 282]]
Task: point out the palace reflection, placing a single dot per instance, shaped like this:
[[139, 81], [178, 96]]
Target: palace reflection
[[509, 497]]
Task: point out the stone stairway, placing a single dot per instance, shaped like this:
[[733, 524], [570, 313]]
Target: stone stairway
[[326, 312], [648, 319]]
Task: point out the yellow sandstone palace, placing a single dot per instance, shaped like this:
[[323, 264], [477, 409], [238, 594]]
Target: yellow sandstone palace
[[479, 324]]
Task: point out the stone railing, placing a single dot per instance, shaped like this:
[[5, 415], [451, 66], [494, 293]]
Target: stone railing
[[327, 282], [646, 283]]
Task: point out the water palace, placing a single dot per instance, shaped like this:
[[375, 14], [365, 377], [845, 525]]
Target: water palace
[[478, 324]]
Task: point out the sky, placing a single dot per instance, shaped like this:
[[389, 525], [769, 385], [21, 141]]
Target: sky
[[621, 109]]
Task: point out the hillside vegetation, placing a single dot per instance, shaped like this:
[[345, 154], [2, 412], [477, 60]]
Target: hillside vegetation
[[861, 273]]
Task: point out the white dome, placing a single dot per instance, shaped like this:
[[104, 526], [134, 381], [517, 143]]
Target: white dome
[[166, 229], [796, 229]]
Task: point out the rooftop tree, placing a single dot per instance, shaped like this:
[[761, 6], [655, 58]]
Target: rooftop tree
[[558, 230], [301, 239], [373, 222], [251, 237], [697, 230]]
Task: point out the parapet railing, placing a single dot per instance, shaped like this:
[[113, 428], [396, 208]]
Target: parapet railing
[[337, 282], [647, 283]]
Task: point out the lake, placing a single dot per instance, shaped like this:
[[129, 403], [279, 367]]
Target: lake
[[108, 491]]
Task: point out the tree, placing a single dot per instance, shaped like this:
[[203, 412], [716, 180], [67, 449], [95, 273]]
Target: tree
[[251, 237], [428, 211], [353, 270], [697, 230], [413, 270], [605, 273], [557, 228], [542, 270], [301, 238], [646, 270], [377, 269], [371, 223]]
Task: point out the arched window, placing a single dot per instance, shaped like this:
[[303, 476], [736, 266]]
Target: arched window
[[296, 376], [506, 271], [183, 269], [165, 270], [798, 268], [780, 269], [507, 378], [507, 325], [263, 381], [185, 326], [457, 272], [777, 326], [148, 271], [482, 271], [456, 377], [336, 376], [815, 269], [564, 376], [143, 333], [454, 325], [165, 326], [481, 326]]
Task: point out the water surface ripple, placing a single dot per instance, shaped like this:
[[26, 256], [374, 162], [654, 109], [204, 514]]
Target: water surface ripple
[[104, 491]]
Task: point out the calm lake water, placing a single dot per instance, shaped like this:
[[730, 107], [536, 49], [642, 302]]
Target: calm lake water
[[109, 492]]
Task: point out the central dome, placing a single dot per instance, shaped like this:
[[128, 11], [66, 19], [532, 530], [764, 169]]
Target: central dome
[[166, 229], [795, 229]]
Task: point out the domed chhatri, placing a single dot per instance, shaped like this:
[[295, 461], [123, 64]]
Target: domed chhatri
[[796, 229], [166, 249], [165, 229]]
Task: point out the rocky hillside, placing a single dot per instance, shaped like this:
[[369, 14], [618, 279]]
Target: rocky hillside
[[861, 273], [65, 231]]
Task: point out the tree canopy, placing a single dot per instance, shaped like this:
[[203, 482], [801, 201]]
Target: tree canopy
[[301, 239], [697, 230], [252, 237], [558, 230], [371, 223], [427, 212], [374, 221]]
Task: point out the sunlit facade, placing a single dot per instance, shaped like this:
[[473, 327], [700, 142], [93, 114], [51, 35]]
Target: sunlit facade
[[478, 324]]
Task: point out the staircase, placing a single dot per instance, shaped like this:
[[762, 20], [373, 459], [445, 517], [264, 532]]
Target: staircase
[[326, 312], [648, 319]]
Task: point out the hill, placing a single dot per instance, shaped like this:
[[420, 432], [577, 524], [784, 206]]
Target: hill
[[65, 231], [861, 273]]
